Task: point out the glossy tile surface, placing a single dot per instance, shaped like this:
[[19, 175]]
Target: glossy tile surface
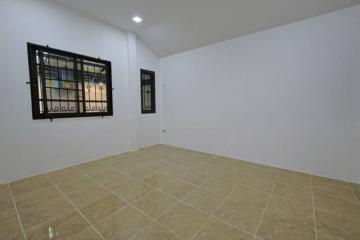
[[167, 193], [183, 220]]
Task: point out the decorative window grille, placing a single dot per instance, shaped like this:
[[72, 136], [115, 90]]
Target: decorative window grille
[[65, 84], [147, 91]]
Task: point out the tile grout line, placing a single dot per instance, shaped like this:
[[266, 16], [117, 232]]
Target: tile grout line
[[213, 214], [313, 204], [352, 190], [129, 203], [266, 206], [176, 178], [169, 195], [182, 200], [16, 210], [76, 209]]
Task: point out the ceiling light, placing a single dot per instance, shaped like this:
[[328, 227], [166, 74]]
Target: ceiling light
[[137, 19]]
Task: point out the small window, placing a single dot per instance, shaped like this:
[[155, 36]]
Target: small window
[[65, 84], [147, 91]]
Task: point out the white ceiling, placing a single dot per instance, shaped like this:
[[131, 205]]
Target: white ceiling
[[173, 26]]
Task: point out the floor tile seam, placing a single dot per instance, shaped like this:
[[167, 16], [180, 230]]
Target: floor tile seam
[[160, 189], [203, 188], [266, 206], [336, 196], [128, 175], [137, 209], [16, 210], [213, 214], [313, 205], [353, 191], [178, 200], [76, 209], [130, 205]]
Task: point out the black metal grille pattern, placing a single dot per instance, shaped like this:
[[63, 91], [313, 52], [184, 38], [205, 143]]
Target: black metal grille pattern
[[147, 91], [65, 84]]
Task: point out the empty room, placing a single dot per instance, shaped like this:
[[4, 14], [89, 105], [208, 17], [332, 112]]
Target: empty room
[[180, 120]]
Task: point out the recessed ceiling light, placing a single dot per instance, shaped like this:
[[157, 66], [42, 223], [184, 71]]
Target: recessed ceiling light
[[137, 19]]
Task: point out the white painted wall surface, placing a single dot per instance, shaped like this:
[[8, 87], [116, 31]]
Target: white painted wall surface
[[149, 124], [283, 97], [29, 147]]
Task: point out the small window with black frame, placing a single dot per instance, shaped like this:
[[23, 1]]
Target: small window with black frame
[[148, 104], [65, 84]]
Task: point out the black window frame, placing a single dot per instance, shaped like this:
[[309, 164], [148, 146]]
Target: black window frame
[[33, 74], [153, 92]]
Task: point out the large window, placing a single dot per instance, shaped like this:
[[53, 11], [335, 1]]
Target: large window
[[65, 84], [147, 91]]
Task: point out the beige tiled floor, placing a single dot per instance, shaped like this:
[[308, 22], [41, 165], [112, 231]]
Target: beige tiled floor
[[167, 193]]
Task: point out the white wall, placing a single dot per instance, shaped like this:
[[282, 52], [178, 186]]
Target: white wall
[[149, 124], [29, 147], [283, 97]]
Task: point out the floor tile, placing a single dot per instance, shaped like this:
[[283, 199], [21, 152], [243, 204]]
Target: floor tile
[[236, 169], [337, 206], [103, 208], [183, 220], [285, 219], [28, 185], [250, 196], [87, 195], [115, 160], [134, 192], [157, 180], [182, 188], [175, 171], [93, 169], [4, 192], [10, 228], [64, 227], [288, 208], [76, 184], [43, 212], [157, 165], [220, 184], [155, 204], [156, 232], [332, 187], [327, 236], [178, 188], [64, 174], [197, 176], [204, 200], [219, 162], [301, 193], [87, 234], [115, 181], [356, 189], [216, 230], [7, 209], [261, 171], [123, 225], [260, 184], [126, 167], [337, 225], [294, 178], [36, 198], [241, 215], [141, 173], [275, 227]]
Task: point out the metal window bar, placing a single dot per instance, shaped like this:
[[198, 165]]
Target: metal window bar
[[147, 91], [58, 82]]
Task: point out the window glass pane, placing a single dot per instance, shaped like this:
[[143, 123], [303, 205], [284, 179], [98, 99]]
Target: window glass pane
[[67, 84]]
